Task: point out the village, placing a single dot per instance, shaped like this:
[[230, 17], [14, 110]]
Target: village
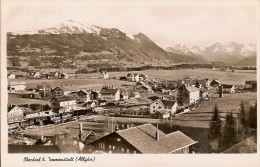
[[125, 117]]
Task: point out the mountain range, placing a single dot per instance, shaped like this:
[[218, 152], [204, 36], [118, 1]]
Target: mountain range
[[76, 45], [230, 52]]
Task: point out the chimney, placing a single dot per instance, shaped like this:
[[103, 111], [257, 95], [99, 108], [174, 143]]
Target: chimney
[[80, 131], [157, 133]]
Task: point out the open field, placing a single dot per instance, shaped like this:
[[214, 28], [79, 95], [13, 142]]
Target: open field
[[238, 77], [16, 100], [201, 116], [227, 77]]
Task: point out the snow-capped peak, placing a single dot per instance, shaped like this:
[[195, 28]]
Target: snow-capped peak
[[164, 47], [197, 49], [181, 48], [66, 27], [74, 27]]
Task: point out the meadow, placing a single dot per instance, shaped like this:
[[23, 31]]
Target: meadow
[[227, 77]]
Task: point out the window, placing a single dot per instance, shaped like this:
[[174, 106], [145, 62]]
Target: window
[[134, 152], [122, 149], [101, 145], [186, 150], [114, 147], [119, 149], [127, 150], [118, 139], [109, 147]]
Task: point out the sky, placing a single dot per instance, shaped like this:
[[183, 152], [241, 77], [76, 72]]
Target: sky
[[200, 23]]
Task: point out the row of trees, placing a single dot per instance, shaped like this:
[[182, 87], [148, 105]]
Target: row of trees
[[223, 135]]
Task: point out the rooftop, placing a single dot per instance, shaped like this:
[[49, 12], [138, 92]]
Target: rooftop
[[251, 82], [106, 90], [64, 98], [191, 89], [144, 136], [227, 86], [169, 103]]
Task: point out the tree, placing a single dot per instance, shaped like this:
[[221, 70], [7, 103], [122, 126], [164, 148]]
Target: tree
[[182, 95], [230, 134], [197, 84], [46, 107], [242, 115], [252, 117], [45, 87], [215, 124]]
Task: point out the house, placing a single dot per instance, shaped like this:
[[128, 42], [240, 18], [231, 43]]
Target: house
[[124, 95], [109, 94], [103, 75], [160, 104], [134, 77], [58, 91], [199, 83], [84, 95], [20, 74], [252, 84], [163, 114], [36, 75], [63, 76], [90, 105], [11, 76], [52, 75], [174, 93], [67, 90], [143, 77], [14, 116], [143, 139], [142, 87], [215, 83], [188, 95], [204, 93], [65, 102], [16, 86], [228, 88]]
